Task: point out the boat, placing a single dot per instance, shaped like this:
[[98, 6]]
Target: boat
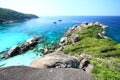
[[54, 22], [59, 20]]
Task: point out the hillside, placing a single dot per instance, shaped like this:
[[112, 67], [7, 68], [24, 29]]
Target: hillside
[[102, 51], [9, 16]]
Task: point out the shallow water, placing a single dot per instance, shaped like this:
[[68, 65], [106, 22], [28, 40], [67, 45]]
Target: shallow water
[[16, 33]]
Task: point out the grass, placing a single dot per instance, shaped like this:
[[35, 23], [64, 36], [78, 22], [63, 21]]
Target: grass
[[105, 52]]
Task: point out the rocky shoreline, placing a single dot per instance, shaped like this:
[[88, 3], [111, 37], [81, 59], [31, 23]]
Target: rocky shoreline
[[74, 37], [19, 49], [54, 61], [54, 58]]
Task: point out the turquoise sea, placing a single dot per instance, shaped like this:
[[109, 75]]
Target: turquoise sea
[[16, 33]]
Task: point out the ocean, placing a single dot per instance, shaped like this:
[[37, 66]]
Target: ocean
[[17, 33]]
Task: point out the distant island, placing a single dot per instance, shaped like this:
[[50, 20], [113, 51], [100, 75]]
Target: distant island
[[10, 16]]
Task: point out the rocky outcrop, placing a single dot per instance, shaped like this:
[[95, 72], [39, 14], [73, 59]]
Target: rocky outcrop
[[89, 68], [12, 51], [102, 34], [104, 27], [15, 50], [86, 66], [74, 38], [84, 63], [63, 41], [75, 27], [84, 24], [60, 60], [46, 50], [55, 60], [28, 73]]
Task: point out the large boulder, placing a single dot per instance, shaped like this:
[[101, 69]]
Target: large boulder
[[104, 27], [63, 41], [55, 60], [45, 50], [102, 34], [84, 24], [68, 33], [78, 28], [74, 27], [33, 39], [89, 68], [12, 52], [28, 73], [85, 64], [75, 38], [91, 24]]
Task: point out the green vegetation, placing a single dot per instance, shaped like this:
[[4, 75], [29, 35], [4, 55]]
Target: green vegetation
[[7, 15], [105, 52]]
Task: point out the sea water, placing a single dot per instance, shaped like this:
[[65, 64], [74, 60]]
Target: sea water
[[17, 33]]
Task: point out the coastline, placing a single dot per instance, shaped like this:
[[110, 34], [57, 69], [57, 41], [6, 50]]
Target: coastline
[[91, 41], [86, 43]]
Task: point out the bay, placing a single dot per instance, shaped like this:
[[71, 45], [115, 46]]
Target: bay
[[16, 33]]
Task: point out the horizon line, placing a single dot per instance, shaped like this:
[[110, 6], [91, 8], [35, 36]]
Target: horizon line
[[80, 15]]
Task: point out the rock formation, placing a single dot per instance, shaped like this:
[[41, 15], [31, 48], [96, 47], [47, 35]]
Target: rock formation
[[28, 73], [74, 38], [55, 60], [102, 34], [63, 41], [60, 60], [15, 50], [84, 24]]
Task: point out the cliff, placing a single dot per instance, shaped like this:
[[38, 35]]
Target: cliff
[[9, 16]]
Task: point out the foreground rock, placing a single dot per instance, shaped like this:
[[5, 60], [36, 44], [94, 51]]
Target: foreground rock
[[55, 60], [60, 60], [30, 43], [27, 73]]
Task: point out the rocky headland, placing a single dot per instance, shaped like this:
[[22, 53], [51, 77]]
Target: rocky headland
[[89, 44]]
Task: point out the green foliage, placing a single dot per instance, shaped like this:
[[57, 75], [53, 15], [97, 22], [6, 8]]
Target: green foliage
[[105, 69], [10, 15], [105, 52]]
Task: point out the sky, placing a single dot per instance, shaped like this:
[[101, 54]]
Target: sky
[[65, 7]]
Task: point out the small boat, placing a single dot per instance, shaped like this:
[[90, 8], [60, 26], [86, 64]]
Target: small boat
[[54, 22], [59, 20]]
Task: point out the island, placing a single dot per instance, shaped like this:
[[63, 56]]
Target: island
[[10, 16]]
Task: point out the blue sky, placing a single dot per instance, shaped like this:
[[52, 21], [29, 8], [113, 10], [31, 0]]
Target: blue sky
[[64, 7]]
